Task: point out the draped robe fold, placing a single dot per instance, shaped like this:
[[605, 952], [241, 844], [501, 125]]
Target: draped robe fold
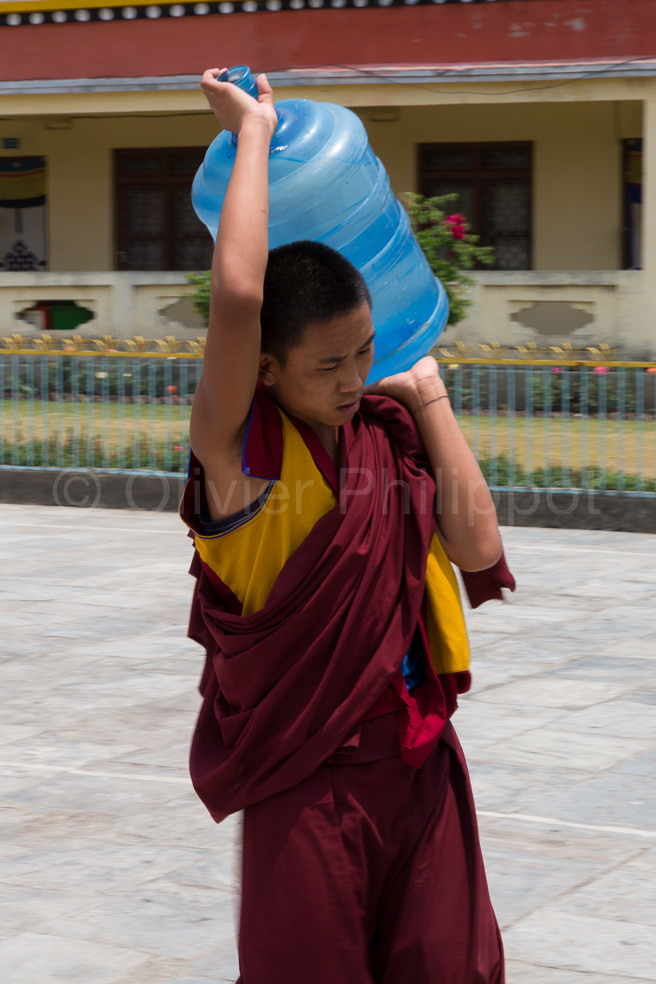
[[285, 686]]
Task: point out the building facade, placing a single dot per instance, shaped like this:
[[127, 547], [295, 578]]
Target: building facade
[[539, 114]]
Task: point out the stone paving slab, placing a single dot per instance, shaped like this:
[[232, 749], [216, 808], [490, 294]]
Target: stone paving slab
[[113, 873]]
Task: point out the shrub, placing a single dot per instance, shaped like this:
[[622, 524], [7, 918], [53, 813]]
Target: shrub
[[448, 245], [445, 240]]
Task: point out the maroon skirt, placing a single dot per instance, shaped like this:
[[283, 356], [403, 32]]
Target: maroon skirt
[[369, 871]]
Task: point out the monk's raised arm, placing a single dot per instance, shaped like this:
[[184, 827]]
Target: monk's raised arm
[[232, 353]]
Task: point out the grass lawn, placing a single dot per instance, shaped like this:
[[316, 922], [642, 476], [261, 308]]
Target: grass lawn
[[144, 435], [108, 435], [617, 446]]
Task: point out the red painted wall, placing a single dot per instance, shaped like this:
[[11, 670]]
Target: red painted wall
[[532, 30]]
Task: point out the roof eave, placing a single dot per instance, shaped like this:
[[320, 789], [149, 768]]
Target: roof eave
[[641, 67]]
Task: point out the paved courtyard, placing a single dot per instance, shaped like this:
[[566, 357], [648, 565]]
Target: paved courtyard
[[112, 872]]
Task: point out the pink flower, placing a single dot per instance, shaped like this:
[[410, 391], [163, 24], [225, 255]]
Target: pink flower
[[601, 370], [556, 369], [456, 223], [178, 447]]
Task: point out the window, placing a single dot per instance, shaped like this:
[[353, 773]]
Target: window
[[156, 226], [493, 184], [22, 213]]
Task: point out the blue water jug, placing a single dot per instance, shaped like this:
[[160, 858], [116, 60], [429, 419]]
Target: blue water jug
[[326, 184]]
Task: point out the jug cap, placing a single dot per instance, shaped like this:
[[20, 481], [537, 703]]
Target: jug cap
[[240, 75]]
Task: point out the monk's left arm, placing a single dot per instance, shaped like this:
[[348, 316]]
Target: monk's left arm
[[467, 519]]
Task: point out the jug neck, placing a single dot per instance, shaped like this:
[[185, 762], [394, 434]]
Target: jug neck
[[240, 75]]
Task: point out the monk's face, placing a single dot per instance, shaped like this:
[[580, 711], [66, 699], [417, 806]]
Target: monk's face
[[324, 375]]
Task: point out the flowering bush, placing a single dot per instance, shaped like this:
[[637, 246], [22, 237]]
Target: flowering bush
[[445, 239], [448, 245]]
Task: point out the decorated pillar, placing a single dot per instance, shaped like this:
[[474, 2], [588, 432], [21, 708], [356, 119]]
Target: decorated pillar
[[649, 184]]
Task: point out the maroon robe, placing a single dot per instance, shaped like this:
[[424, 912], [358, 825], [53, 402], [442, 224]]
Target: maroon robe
[[284, 687]]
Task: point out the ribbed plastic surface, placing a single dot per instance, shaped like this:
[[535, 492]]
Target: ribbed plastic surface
[[326, 184]]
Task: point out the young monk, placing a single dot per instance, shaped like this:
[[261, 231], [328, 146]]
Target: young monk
[[325, 519]]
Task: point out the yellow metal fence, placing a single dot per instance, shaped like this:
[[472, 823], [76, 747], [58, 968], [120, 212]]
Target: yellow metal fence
[[535, 420]]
